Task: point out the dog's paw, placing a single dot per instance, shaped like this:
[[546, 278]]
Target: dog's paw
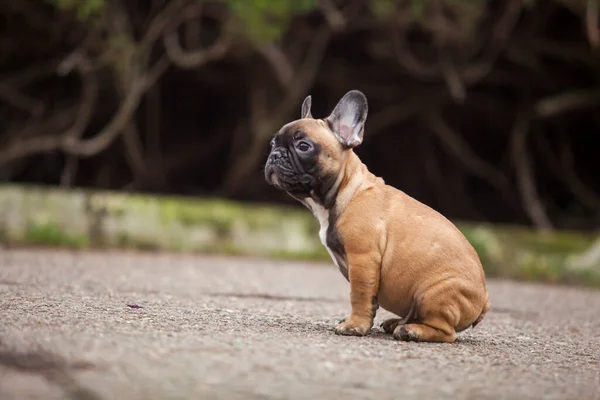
[[424, 333], [389, 325], [351, 328], [405, 334]]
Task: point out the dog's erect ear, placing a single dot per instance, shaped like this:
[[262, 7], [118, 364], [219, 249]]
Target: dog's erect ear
[[306, 104], [348, 118]]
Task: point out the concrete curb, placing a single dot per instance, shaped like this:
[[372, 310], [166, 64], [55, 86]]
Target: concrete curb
[[47, 216]]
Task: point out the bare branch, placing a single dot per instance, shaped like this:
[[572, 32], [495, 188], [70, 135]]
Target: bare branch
[[304, 77], [17, 150], [500, 35], [568, 101], [447, 194], [11, 95], [565, 51], [153, 122], [196, 58], [448, 69], [566, 173], [88, 100], [32, 74], [452, 77], [69, 172], [88, 103], [191, 36], [22, 148], [461, 150], [334, 17], [134, 150], [116, 126], [258, 107], [525, 176], [9, 86], [243, 164], [591, 23], [188, 59], [102, 140], [58, 121], [75, 60], [410, 62], [165, 25], [190, 157], [69, 141], [433, 171], [155, 73], [164, 21], [398, 113], [279, 62]]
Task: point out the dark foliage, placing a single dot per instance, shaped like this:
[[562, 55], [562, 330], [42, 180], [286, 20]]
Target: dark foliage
[[483, 110]]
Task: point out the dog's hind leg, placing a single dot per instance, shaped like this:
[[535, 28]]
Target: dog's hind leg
[[428, 321], [425, 333], [389, 325]]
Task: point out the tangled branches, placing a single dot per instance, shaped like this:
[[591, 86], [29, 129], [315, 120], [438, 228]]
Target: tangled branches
[[492, 98]]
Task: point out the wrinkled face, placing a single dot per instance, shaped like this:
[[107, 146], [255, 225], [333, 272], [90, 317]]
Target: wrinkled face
[[307, 154]]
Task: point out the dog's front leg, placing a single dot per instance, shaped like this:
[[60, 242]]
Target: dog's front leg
[[364, 270]]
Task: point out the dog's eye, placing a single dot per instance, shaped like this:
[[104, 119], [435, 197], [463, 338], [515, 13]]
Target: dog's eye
[[272, 143], [303, 146]]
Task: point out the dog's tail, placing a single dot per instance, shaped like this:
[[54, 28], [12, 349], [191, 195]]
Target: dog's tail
[[486, 308]]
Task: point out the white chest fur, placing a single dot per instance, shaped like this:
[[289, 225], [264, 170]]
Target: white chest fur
[[322, 215]]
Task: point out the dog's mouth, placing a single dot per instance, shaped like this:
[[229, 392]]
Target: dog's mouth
[[283, 176], [272, 178]]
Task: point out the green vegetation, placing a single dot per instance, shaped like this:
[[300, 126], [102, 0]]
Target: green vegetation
[[51, 234], [514, 252], [266, 20], [85, 9], [262, 20]]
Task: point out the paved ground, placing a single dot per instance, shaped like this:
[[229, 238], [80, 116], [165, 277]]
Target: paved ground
[[227, 328]]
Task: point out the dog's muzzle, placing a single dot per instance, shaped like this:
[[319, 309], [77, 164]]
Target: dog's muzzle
[[282, 172], [270, 168]]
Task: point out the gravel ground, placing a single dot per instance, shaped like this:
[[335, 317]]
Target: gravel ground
[[237, 328]]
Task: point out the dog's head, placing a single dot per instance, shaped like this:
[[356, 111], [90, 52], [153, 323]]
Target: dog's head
[[307, 154]]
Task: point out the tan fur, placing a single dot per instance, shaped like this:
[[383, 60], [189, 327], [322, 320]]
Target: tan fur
[[400, 254]]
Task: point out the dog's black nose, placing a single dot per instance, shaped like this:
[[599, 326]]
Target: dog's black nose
[[274, 156]]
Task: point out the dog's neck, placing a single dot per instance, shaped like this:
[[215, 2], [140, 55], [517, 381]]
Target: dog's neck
[[353, 178]]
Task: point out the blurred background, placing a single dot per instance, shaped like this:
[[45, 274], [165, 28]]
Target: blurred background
[[131, 126], [487, 111]]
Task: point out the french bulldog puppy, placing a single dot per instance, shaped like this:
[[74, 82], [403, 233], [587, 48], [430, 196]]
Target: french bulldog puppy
[[395, 251]]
